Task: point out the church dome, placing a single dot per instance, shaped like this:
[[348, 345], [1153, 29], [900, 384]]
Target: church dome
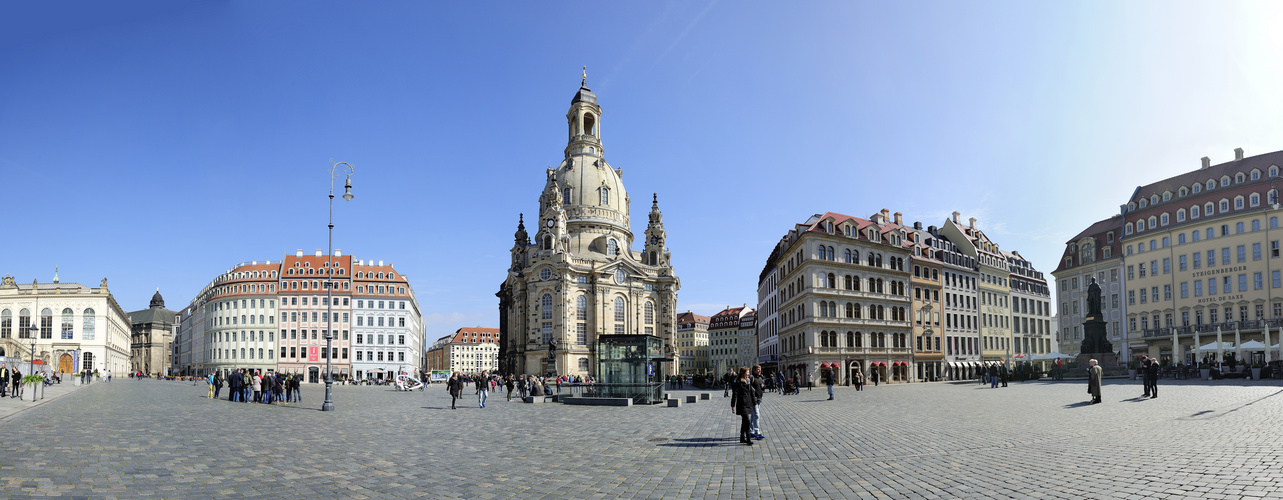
[[592, 191], [157, 300]]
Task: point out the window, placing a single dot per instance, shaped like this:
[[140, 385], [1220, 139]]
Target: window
[[605, 196], [46, 324], [545, 304], [650, 313], [1193, 212], [1258, 281], [1184, 290], [620, 312], [68, 323]]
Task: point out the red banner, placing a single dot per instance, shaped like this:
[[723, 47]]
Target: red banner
[[312, 355]]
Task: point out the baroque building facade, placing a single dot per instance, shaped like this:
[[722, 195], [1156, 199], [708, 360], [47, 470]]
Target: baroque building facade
[[1199, 254], [692, 343], [580, 277], [152, 337], [77, 327]]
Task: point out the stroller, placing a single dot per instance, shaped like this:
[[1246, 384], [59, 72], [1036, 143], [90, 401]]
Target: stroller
[[790, 387]]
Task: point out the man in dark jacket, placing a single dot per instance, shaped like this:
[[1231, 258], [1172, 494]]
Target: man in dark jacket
[[1151, 378], [483, 388], [233, 386], [758, 382]]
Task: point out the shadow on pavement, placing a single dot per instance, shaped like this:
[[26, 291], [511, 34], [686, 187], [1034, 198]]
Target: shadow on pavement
[[1078, 404], [704, 442]]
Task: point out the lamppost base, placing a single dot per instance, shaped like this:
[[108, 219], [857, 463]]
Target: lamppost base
[[328, 405]]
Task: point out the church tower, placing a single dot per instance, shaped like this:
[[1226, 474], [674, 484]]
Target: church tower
[[580, 277]]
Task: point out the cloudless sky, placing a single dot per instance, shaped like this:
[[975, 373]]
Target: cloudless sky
[[159, 143]]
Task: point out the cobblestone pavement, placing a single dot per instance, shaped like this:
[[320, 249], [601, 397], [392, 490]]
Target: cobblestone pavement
[[159, 439]]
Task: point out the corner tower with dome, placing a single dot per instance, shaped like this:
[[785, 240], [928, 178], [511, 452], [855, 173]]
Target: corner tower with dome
[[580, 276]]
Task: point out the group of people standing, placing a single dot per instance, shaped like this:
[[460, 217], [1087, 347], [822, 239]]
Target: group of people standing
[[244, 386]]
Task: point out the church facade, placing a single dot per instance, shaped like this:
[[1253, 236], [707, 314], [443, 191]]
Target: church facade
[[580, 276]]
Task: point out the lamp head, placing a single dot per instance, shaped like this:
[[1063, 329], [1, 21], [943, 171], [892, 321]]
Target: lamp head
[[347, 190]]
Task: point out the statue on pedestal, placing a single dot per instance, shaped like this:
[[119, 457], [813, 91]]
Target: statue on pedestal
[[1094, 338]]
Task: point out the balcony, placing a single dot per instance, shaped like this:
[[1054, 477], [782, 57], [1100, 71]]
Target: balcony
[[1226, 327]]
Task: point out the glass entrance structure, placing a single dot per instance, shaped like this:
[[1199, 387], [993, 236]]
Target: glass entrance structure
[[630, 366]]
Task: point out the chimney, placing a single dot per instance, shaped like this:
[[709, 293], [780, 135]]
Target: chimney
[[932, 229], [298, 253], [973, 222], [338, 252], [1207, 162], [898, 219], [917, 225], [253, 263], [1238, 153], [318, 252], [955, 217], [380, 263]]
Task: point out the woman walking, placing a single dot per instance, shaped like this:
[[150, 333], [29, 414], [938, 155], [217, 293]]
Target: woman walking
[[455, 386], [743, 400]]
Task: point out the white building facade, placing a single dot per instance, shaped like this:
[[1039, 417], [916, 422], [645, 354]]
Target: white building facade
[[77, 327]]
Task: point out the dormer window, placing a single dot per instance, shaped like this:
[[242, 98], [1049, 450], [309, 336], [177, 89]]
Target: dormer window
[[1239, 178], [1153, 200], [1225, 181], [1211, 184], [1144, 203], [1256, 174], [1274, 171], [1167, 196], [1198, 188], [1182, 192], [605, 196]]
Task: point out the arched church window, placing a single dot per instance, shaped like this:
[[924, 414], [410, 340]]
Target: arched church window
[[612, 247], [545, 306], [650, 313], [565, 196], [547, 242], [590, 124], [581, 308], [605, 196], [620, 310]]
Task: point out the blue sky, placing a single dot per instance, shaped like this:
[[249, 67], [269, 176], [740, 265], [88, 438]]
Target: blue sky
[[159, 143]]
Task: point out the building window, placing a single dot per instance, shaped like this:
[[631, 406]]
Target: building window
[[620, 312], [68, 324], [46, 324], [605, 196], [545, 304]]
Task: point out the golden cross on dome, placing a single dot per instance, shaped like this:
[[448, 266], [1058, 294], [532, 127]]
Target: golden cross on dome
[[585, 75]]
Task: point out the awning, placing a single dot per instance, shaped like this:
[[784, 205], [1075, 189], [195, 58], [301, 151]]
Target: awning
[[824, 365]]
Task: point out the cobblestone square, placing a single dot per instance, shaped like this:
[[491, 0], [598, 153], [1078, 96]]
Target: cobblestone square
[[160, 439]]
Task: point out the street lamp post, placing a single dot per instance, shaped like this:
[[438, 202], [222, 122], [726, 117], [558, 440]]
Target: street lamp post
[[347, 170]]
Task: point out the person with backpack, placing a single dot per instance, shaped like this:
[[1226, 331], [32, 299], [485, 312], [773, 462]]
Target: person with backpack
[[455, 387]]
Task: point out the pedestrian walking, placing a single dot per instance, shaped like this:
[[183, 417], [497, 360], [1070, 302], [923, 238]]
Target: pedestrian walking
[[828, 382], [858, 380], [455, 387], [1003, 374], [1094, 373], [810, 381], [993, 376], [742, 402], [874, 376], [483, 388], [508, 384]]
